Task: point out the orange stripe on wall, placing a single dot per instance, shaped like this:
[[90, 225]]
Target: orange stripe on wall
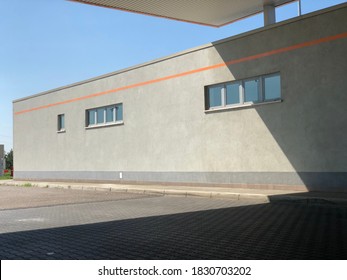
[[215, 66]]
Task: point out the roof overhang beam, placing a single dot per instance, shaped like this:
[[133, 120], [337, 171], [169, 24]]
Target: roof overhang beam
[[206, 12]]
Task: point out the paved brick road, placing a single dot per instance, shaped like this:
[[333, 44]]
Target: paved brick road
[[131, 226]]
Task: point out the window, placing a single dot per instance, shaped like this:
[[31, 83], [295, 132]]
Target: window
[[61, 123], [215, 96], [110, 114], [102, 116], [233, 93], [244, 92], [251, 88], [272, 87]]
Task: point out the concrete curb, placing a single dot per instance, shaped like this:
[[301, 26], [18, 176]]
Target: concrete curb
[[232, 195]]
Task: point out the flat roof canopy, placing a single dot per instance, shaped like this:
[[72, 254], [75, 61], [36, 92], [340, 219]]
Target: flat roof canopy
[[206, 12]]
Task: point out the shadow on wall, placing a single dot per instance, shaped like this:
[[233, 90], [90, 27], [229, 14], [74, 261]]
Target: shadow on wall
[[264, 231], [309, 125]]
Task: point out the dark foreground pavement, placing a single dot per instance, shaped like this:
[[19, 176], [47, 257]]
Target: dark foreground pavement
[[137, 226]]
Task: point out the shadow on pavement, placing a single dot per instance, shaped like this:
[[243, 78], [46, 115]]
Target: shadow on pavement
[[320, 198], [264, 231]]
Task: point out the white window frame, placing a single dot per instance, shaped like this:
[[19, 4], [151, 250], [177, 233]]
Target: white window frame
[[261, 94], [105, 122]]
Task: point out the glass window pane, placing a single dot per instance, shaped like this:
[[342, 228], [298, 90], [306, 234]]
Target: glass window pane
[[272, 87], [61, 122], [119, 112], [215, 96], [110, 114], [91, 117], [251, 90], [233, 93], [100, 115]]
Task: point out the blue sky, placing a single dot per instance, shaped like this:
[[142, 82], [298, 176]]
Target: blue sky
[[48, 44]]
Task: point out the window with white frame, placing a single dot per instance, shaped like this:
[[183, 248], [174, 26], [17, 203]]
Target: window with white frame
[[61, 123], [255, 90], [106, 115]]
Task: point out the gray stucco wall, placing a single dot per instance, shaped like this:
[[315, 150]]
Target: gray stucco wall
[[167, 135]]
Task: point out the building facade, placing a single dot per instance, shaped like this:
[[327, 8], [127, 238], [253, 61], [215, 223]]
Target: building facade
[[266, 108]]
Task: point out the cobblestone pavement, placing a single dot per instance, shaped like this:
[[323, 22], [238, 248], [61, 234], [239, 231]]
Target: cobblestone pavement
[[168, 227]]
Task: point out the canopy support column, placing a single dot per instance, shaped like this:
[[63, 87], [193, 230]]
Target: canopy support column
[[269, 15]]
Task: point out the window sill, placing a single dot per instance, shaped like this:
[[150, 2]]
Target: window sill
[[104, 125], [246, 105], [61, 131]]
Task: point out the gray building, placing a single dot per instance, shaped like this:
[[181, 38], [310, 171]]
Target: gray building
[[266, 108]]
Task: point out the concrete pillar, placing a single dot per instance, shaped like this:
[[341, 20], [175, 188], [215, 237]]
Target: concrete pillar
[[299, 7], [269, 14]]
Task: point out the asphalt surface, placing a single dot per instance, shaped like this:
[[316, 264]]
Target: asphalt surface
[[40, 223]]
